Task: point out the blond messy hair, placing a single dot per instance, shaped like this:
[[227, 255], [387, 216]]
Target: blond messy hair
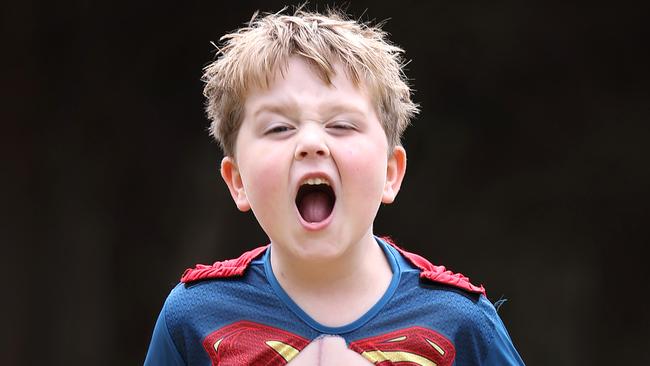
[[250, 56]]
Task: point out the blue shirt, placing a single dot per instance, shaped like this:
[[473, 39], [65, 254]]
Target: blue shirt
[[250, 319]]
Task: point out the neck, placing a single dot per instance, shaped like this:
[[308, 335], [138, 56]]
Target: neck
[[336, 290], [360, 261]]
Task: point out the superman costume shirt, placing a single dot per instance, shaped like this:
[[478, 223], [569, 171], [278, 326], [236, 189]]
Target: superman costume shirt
[[236, 313]]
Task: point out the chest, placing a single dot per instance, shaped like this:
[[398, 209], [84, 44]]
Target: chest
[[414, 326], [256, 344]]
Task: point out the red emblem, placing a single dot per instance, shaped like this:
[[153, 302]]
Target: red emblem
[[409, 346], [248, 343]]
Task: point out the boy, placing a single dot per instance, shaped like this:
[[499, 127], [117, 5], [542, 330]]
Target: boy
[[309, 110]]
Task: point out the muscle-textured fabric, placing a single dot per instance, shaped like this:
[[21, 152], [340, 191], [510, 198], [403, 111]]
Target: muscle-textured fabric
[[244, 317]]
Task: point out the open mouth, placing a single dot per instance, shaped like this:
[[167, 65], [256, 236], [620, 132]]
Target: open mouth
[[315, 200]]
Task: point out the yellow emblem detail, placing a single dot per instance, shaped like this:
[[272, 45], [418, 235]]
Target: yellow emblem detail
[[437, 347], [398, 339], [216, 345], [286, 351]]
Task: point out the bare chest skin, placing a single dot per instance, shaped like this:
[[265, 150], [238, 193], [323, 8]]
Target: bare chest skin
[[328, 351]]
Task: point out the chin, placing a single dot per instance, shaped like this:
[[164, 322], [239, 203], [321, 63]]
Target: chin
[[319, 249]]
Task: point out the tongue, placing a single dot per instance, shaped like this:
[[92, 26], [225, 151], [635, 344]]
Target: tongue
[[314, 207]]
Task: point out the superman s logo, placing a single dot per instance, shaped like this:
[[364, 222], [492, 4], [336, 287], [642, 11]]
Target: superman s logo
[[408, 346], [248, 343]]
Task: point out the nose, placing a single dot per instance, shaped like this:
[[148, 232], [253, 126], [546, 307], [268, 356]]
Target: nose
[[311, 143]]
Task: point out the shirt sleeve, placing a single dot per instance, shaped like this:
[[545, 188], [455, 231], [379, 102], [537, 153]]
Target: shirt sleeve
[[162, 349], [501, 350]]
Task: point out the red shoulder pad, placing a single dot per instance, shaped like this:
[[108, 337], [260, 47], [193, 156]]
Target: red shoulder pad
[[223, 269], [438, 273]]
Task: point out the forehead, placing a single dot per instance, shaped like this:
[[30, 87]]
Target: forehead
[[301, 84]]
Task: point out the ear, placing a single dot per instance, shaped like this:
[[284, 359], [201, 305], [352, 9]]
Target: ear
[[395, 171], [230, 175]]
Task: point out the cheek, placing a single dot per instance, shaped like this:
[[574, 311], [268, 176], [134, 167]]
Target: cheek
[[262, 181], [366, 168]]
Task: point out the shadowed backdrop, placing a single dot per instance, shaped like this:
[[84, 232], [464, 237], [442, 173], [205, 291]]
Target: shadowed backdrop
[[528, 168]]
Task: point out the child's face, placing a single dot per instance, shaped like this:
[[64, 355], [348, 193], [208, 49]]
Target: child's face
[[301, 132]]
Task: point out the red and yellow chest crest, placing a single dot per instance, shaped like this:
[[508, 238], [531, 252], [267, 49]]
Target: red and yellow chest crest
[[248, 343]]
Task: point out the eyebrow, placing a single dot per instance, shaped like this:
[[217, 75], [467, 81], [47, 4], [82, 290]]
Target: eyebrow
[[279, 108], [290, 108]]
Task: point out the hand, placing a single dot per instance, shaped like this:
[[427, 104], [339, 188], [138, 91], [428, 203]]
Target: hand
[[328, 351]]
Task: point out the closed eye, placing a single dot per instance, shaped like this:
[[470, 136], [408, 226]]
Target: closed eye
[[342, 125], [277, 129]]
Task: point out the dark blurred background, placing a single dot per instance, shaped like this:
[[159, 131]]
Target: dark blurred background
[[528, 168]]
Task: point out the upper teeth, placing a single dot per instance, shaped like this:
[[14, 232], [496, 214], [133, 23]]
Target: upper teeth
[[315, 181]]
